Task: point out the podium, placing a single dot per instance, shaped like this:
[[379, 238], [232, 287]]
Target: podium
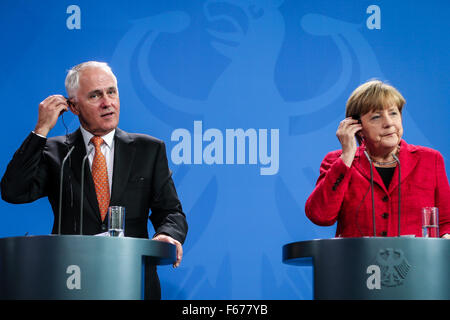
[[375, 268], [78, 267]]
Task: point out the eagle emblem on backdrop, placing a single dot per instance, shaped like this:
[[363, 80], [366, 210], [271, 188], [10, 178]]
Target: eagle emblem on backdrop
[[193, 64]]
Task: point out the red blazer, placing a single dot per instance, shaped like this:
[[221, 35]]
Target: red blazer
[[343, 194]]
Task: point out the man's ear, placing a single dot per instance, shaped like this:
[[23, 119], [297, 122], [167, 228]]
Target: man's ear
[[73, 107]]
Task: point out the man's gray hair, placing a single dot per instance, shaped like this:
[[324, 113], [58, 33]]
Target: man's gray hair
[[72, 82]]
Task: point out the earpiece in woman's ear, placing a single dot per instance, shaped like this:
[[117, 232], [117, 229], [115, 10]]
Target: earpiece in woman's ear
[[360, 135]]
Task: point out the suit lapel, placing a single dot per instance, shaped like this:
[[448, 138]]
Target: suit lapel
[[408, 160], [124, 152], [76, 139]]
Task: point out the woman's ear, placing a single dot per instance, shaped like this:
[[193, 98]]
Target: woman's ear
[[360, 137]]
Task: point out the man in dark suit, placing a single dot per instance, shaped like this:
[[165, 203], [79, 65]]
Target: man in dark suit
[[135, 168]]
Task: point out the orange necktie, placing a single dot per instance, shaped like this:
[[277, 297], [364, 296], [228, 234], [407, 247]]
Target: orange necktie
[[100, 176]]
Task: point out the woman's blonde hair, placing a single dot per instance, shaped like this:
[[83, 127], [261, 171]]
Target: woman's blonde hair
[[373, 95]]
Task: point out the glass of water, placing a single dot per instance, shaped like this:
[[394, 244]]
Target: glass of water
[[116, 221], [430, 222]]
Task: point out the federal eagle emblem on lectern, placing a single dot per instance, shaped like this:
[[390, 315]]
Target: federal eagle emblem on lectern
[[393, 266]]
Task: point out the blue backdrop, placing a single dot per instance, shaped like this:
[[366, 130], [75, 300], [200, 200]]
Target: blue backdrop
[[247, 96]]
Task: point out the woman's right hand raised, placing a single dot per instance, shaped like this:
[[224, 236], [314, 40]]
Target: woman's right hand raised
[[346, 134]]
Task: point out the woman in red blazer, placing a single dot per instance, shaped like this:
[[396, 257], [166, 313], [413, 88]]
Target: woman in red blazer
[[343, 192]]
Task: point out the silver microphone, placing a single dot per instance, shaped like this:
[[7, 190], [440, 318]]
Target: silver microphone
[[83, 165], [399, 190], [371, 187], [61, 175]]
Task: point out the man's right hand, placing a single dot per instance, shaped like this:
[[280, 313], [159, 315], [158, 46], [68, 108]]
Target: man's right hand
[[49, 111]]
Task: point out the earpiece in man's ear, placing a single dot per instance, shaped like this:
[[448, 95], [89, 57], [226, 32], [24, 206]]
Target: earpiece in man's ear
[[69, 103]]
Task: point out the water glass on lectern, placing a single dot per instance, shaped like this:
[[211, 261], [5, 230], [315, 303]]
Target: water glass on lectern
[[430, 222], [116, 221]]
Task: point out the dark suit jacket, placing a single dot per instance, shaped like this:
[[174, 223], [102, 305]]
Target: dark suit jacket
[[141, 182]]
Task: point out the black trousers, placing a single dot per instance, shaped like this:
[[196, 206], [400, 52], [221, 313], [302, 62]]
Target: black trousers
[[152, 286]]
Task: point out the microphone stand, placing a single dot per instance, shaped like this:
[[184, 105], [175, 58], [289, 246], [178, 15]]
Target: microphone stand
[[83, 165], [371, 187], [399, 191], [61, 176]]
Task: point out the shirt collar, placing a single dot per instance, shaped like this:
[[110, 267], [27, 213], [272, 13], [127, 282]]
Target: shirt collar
[[108, 138]]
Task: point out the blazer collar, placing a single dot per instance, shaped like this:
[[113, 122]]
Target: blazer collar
[[87, 136], [408, 158]]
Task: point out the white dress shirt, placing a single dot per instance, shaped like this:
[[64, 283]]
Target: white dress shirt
[[107, 149]]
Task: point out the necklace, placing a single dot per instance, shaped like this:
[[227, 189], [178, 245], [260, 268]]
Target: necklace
[[388, 163], [384, 163]]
